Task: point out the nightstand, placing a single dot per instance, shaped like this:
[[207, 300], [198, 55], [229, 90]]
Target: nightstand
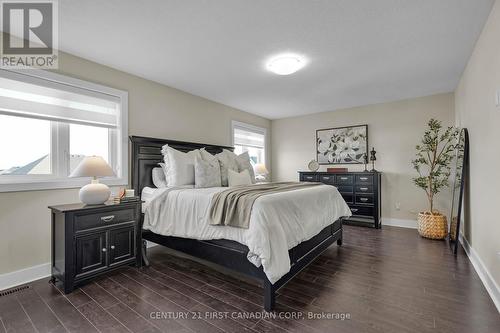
[[89, 240]]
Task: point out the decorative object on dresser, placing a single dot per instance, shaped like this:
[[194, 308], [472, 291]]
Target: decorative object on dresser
[[459, 183], [360, 190], [313, 165], [90, 240], [433, 164], [365, 161], [373, 158], [260, 172], [336, 170], [94, 193], [342, 145]]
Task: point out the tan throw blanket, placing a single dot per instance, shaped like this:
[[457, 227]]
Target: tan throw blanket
[[233, 206]]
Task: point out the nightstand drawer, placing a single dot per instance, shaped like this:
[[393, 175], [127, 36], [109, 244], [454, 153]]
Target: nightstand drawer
[[364, 199], [83, 222], [364, 179], [344, 179], [362, 211], [364, 189]]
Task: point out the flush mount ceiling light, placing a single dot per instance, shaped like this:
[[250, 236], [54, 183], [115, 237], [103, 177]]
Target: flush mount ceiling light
[[285, 64]]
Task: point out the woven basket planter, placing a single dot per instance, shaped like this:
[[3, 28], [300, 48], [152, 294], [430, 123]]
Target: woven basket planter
[[433, 226]]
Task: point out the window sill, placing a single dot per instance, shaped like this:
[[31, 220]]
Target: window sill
[[53, 184]]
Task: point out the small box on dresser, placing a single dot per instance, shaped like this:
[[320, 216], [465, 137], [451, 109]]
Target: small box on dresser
[[88, 240], [360, 190]]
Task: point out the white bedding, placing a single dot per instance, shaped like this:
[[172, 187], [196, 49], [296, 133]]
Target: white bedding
[[278, 221]]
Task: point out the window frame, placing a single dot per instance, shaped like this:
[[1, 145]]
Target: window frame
[[250, 128], [58, 179]]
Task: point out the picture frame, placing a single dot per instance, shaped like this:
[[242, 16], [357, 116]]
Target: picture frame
[[342, 145]]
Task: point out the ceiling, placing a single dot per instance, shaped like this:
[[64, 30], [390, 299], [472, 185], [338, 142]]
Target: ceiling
[[359, 51]]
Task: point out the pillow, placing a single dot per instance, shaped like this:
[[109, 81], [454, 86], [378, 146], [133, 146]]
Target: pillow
[[227, 162], [159, 177], [239, 178], [164, 168], [244, 163], [206, 173], [180, 166]]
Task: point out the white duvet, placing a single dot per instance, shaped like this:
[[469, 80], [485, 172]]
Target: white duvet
[[278, 221]]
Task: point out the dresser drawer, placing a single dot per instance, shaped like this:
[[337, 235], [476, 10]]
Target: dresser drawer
[[362, 210], [327, 179], [344, 189], [364, 179], [344, 180], [348, 197], [364, 189], [364, 199], [308, 177], [83, 222]]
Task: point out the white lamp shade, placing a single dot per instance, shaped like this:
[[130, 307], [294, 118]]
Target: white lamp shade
[[260, 169], [93, 166]]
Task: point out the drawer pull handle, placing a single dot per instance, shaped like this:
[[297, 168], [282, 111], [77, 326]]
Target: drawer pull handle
[[108, 218], [363, 188], [363, 178], [343, 178], [103, 249], [112, 247], [354, 210], [363, 199], [326, 178]]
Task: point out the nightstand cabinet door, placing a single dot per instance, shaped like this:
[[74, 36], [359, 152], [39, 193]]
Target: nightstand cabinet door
[[91, 255], [121, 244]]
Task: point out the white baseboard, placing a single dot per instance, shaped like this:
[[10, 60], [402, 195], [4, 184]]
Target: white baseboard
[[22, 276], [481, 270], [412, 224]]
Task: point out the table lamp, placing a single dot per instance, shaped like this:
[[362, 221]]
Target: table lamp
[[260, 171], [94, 193]]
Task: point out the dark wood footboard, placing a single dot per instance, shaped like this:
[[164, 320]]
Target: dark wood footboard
[[233, 255]]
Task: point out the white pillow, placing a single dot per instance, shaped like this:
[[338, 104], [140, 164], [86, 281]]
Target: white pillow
[[239, 178], [181, 166], [227, 162], [207, 173], [244, 163], [159, 177]]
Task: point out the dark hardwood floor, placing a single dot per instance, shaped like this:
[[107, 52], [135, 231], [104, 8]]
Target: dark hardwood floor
[[387, 280]]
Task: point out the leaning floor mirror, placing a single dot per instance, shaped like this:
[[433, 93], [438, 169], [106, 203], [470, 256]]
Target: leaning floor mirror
[[459, 184]]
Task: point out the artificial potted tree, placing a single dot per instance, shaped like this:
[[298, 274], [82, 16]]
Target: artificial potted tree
[[433, 164]]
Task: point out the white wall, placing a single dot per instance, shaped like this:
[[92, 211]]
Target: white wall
[[393, 129], [155, 110], [476, 110]]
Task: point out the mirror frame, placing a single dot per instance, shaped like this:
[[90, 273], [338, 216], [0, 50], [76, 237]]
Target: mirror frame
[[465, 171]]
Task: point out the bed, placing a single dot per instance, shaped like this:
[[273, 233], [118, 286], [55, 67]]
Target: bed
[[146, 154]]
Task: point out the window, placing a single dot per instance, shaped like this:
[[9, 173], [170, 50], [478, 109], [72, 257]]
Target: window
[[50, 122], [251, 139]]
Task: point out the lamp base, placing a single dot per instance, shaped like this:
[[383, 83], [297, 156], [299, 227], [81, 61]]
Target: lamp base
[[94, 193]]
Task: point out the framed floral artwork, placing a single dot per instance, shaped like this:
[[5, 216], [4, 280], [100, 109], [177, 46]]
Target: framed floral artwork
[[342, 145]]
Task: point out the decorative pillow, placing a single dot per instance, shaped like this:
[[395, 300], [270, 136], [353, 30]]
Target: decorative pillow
[[244, 163], [181, 166], [206, 173], [238, 178], [227, 162], [164, 168], [159, 177]]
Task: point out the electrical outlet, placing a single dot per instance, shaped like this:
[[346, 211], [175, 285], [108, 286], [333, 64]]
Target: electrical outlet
[[397, 205], [498, 99]]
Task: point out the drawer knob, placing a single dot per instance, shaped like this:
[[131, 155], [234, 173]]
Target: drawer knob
[[363, 199], [112, 247], [363, 178], [343, 178], [108, 218], [363, 188], [103, 249]]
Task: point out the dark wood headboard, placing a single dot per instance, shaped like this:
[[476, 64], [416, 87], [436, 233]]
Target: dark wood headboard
[[146, 154]]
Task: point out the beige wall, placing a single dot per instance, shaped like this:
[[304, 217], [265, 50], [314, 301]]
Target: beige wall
[[155, 110], [476, 110], [393, 129]]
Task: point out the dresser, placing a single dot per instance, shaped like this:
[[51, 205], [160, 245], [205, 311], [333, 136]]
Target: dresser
[[89, 240], [360, 190]]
